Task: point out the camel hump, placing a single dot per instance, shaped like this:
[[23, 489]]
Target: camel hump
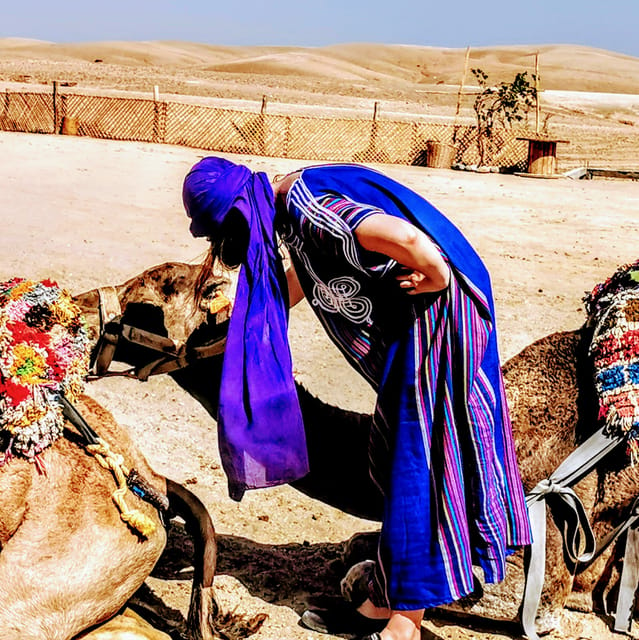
[[561, 347]]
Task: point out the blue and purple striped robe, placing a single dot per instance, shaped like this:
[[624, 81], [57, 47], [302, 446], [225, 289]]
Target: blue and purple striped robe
[[441, 446]]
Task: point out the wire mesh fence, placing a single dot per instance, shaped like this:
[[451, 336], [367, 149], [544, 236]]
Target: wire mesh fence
[[111, 118], [32, 112], [317, 138]]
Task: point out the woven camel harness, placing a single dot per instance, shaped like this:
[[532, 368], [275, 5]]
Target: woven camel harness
[[578, 539]]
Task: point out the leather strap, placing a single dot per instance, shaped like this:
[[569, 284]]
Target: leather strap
[[578, 538], [182, 359], [147, 339], [629, 581], [110, 310], [76, 419]]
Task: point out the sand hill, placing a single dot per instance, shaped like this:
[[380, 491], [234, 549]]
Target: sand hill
[[339, 68], [589, 96]]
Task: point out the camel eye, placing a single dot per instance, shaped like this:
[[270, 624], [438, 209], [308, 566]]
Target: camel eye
[[209, 290]]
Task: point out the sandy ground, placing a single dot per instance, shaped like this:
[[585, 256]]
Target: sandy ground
[[89, 212]]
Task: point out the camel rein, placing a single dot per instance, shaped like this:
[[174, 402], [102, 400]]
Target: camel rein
[[126, 479], [112, 330]]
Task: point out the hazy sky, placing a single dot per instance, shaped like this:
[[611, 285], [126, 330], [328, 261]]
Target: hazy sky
[[607, 24]]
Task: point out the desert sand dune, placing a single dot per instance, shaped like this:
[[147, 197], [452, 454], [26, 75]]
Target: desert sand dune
[[563, 67]]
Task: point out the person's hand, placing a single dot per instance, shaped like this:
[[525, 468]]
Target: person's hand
[[414, 282]]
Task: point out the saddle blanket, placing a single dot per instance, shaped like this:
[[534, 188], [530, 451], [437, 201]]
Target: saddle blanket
[[613, 312], [44, 353]]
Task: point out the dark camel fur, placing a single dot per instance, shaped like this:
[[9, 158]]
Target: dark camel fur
[[553, 408]]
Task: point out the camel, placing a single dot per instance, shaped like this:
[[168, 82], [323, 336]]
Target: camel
[[68, 560], [552, 401]]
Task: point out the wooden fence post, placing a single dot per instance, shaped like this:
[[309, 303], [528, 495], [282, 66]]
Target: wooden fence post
[[537, 85], [261, 132], [55, 106], [372, 145], [459, 96], [159, 116]]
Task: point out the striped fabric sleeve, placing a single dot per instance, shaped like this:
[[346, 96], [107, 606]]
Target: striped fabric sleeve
[[351, 212]]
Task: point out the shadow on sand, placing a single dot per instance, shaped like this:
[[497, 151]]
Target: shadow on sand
[[293, 575]]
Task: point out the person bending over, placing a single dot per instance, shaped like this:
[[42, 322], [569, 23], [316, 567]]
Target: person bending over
[[408, 302]]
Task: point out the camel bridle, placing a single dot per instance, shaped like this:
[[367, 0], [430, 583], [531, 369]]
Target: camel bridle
[[113, 330]]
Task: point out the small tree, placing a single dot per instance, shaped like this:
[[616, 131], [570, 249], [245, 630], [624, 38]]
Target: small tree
[[501, 105]]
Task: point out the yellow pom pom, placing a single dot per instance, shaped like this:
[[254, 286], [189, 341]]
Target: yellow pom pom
[[140, 522], [218, 303]]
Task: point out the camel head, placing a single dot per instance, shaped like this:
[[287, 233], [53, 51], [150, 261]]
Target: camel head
[[161, 303]]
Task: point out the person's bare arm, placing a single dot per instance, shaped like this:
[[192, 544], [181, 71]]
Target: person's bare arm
[[398, 239], [295, 293]]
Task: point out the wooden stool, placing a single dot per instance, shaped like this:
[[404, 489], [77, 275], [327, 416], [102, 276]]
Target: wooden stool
[[542, 155]]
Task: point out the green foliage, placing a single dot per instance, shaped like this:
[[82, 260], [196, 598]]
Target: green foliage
[[500, 105]]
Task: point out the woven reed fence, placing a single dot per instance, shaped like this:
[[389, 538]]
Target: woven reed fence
[[255, 133]]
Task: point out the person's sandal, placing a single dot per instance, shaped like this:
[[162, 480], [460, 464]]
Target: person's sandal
[[341, 620]]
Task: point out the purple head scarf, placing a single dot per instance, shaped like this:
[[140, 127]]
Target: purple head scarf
[[261, 434]]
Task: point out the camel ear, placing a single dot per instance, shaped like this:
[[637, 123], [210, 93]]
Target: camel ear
[[354, 585], [87, 301]]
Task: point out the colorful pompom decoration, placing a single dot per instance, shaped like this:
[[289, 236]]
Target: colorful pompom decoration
[[613, 312], [44, 352]]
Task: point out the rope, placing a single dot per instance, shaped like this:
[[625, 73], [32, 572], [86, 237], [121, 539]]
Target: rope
[[115, 462]]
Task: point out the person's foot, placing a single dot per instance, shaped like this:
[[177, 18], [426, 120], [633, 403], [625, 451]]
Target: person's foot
[[387, 634], [340, 620], [401, 625]]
